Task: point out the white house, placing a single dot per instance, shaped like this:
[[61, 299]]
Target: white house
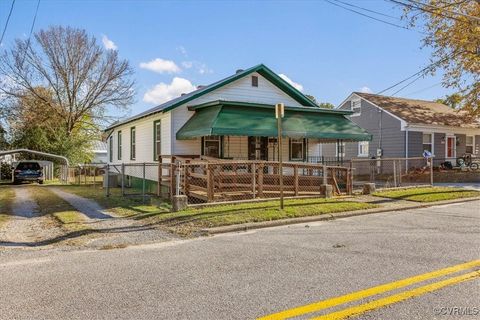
[[233, 118]]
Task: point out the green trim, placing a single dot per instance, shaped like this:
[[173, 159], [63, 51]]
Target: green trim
[[119, 145], [266, 106], [133, 142], [260, 69], [235, 120], [155, 158]]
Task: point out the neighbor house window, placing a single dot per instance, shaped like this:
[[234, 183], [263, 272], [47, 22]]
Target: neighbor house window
[[427, 142], [254, 81], [119, 145], [340, 149], [133, 151], [356, 107], [297, 151], [211, 146], [469, 144], [363, 148], [110, 148], [157, 140]]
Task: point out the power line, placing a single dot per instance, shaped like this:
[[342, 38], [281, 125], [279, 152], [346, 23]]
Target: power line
[[31, 31], [408, 84], [411, 5], [369, 10], [368, 16], [6, 23], [421, 72], [444, 9], [423, 89]]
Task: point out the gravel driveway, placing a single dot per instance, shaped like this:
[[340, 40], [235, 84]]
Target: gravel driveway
[[27, 226]]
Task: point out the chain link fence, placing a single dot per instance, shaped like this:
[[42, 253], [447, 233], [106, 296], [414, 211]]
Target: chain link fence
[[391, 172], [220, 180]]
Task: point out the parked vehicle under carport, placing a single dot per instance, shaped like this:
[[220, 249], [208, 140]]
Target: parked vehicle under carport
[[29, 171]]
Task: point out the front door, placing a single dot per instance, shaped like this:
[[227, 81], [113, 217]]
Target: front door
[[451, 147], [257, 148]]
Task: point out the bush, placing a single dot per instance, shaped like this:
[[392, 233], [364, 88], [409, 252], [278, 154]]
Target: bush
[[5, 171]]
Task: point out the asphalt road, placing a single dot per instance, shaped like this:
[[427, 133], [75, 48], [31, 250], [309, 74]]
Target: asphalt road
[[252, 274]]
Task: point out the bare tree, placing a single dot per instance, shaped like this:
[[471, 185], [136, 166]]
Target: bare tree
[[85, 78]]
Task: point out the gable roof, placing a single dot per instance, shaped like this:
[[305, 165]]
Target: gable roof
[[421, 111], [260, 69]]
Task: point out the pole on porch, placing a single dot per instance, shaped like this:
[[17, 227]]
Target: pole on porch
[[279, 114]]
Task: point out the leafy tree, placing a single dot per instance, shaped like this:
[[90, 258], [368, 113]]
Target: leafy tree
[[454, 100], [83, 78], [326, 105], [34, 125], [452, 30]]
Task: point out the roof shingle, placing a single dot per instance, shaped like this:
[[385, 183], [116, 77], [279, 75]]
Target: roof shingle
[[422, 111]]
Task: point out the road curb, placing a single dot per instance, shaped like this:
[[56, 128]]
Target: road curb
[[323, 217]]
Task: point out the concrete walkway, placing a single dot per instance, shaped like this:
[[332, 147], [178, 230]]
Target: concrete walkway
[[86, 206]]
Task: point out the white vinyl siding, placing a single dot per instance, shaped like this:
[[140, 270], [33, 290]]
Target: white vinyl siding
[[171, 121]]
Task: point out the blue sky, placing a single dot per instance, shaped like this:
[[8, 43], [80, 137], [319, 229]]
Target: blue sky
[[329, 51]]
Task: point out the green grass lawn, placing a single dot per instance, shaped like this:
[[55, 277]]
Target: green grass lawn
[[50, 203], [428, 194], [6, 197], [187, 221], [190, 220]]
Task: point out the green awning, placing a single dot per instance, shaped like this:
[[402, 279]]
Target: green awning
[[228, 119]]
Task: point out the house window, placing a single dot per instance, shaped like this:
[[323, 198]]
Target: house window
[[340, 149], [110, 148], [356, 107], [133, 151], [297, 149], [157, 140], [211, 146], [427, 142], [254, 81], [363, 148], [119, 145], [469, 145]]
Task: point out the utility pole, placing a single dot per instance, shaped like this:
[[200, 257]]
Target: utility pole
[[279, 114]]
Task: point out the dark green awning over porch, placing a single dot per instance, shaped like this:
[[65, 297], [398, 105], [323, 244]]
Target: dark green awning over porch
[[225, 118]]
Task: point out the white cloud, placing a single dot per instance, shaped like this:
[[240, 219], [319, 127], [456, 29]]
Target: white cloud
[[108, 44], [161, 66], [200, 67], [366, 89], [297, 86], [163, 92]]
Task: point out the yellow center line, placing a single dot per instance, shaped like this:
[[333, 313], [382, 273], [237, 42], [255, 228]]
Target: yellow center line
[[369, 306], [317, 306]]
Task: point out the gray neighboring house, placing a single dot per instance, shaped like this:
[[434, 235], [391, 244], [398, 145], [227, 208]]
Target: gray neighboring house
[[405, 128]]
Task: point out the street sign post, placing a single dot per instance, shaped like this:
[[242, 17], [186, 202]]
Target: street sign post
[[279, 114]]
